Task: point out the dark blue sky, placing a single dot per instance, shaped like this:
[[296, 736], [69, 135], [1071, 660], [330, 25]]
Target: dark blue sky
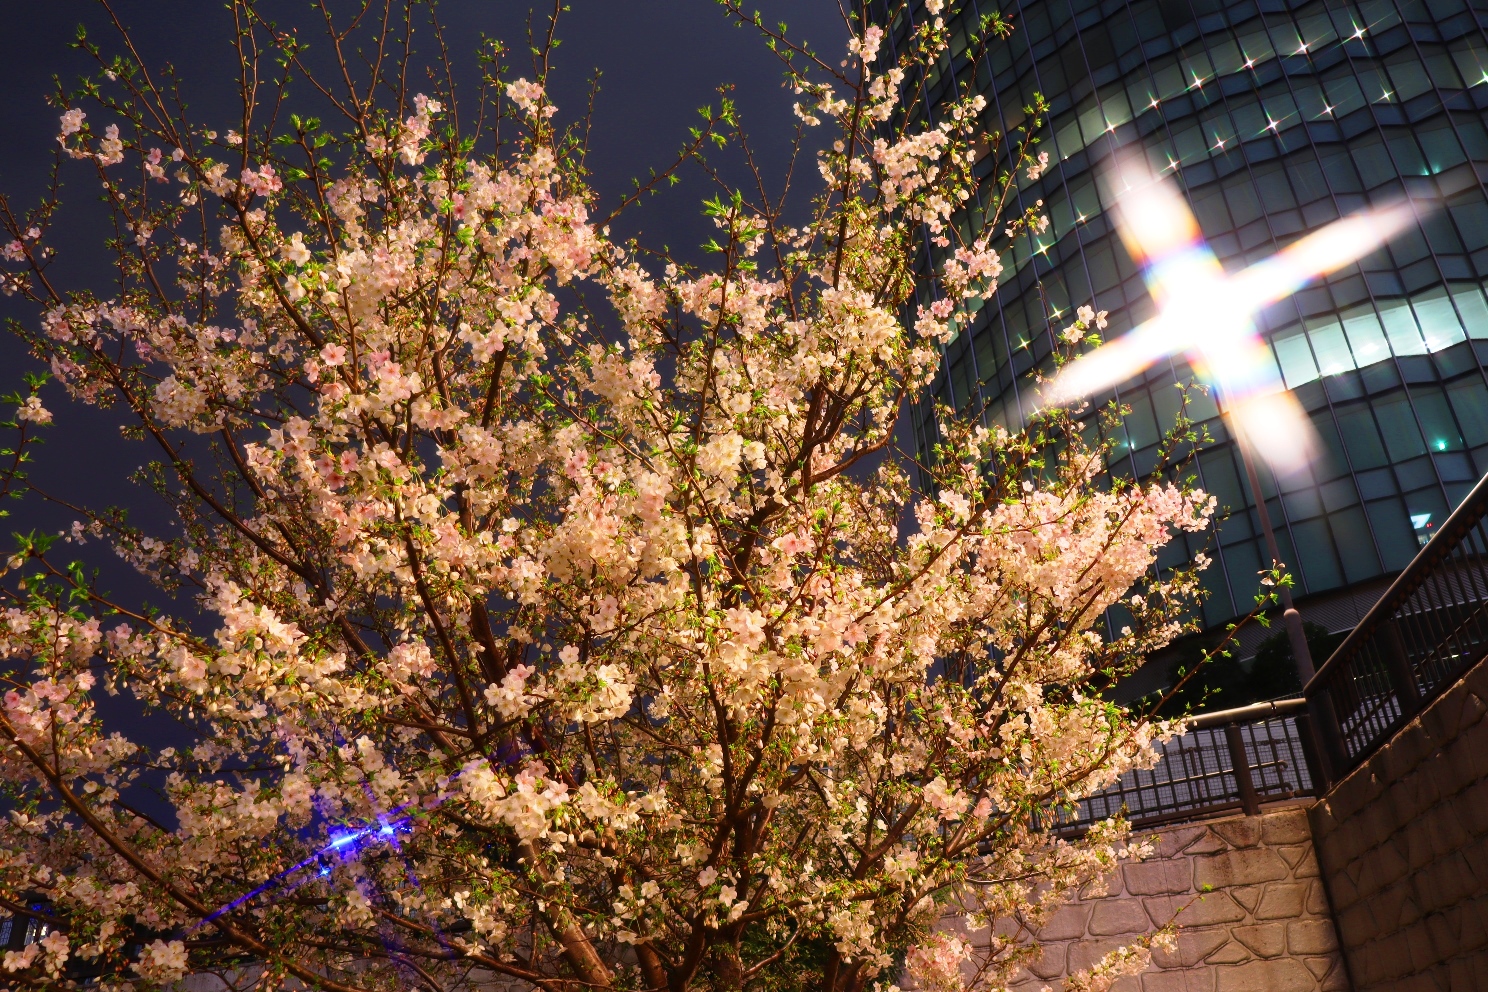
[[660, 59]]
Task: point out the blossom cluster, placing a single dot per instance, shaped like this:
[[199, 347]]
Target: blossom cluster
[[570, 614]]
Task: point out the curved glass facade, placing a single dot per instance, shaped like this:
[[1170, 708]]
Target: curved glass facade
[[1277, 117]]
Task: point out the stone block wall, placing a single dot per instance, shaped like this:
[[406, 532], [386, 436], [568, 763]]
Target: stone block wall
[[1403, 844], [1263, 926]]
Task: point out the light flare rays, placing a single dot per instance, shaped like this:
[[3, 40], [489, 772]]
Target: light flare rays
[[345, 844], [1206, 315], [342, 846]]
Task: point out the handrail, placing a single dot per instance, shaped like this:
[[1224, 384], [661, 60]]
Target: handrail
[[1230, 760], [1429, 627], [1417, 640], [1245, 714], [1468, 513]]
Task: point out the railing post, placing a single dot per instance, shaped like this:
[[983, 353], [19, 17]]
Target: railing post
[[1328, 734], [1241, 764], [1402, 675]]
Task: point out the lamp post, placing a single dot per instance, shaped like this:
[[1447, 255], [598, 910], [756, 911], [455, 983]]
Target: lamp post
[[1296, 636], [1319, 712]]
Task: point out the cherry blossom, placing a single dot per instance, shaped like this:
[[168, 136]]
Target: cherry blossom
[[32, 411], [547, 605]]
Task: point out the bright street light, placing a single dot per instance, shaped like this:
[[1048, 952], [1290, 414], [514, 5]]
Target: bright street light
[[1207, 314]]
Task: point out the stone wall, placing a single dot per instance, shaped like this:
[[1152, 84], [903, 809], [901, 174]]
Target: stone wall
[[1262, 926], [1403, 842]]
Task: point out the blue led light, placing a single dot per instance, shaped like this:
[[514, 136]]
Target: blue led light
[[318, 865], [345, 839]]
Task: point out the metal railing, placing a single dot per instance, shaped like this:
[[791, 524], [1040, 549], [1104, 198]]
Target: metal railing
[[1230, 760], [1428, 628]]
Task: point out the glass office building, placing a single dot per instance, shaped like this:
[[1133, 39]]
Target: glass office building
[[1277, 116]]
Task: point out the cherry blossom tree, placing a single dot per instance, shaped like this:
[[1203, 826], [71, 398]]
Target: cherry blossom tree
[[565, 614]]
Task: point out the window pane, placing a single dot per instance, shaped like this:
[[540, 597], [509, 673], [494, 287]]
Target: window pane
[[1201, 405], [1469, 300], [1344, 95], [1427, 510], [1307, 179], [1437, 318], [1243, 564], [1443, 150], [1392, 532], [1315, 555], [1116, 108], [1331, 348], [1217, 469], [1273, 185], [1351, 532], [1436, 419], [1356, 424], [1209, 206], [1067, 139], [1443, 73], [1295, 357], [1374, 163], [1244, 205], [1470, 404], [1141, 426], [1400, 328], [1409, 77], [1366, 338], [1398, 425], [1330, 462]]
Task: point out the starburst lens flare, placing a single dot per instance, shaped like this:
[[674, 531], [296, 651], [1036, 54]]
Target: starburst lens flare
[[1207, 315], [340, 847]]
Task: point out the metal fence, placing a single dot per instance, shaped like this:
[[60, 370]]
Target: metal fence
[[1428, 628], [1229, 760], [17, 931]]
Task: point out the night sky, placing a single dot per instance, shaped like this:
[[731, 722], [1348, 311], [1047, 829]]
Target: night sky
[[660, 61]]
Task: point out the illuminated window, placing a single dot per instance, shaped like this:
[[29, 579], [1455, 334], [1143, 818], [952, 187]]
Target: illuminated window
[[1330, 346], [1400, 328]]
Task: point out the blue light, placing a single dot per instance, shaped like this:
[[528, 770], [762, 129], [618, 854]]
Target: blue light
[[318, 865]]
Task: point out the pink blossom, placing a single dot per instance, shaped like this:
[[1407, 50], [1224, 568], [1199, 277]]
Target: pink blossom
[[72, 122], [263, 181], [111, 148], [32, 411], [525, 94], [866, 46], [601, 583], [935, 964]]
